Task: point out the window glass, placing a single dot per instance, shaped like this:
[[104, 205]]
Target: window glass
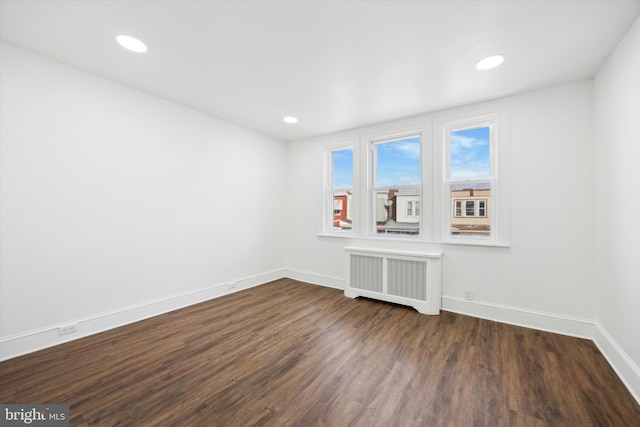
[[397, 186], [398, 162], [470, 154], [473, 219], [342, 188], [470, 208], [440, 177], [470, 181]]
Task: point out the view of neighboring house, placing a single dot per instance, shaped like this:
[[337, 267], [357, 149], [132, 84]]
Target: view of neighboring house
[[342, 211], [407, 208], [470, 211], [399, 213], [402, 213]]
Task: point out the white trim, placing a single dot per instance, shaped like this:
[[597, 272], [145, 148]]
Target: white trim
[[431, 268], [396, 252], [41, 338], [430, 127], [622, 364], [417, 241], [345, 235], [315, 279], [496, 116], [344, 143], [550, 322], [565, 325], [391, 131]]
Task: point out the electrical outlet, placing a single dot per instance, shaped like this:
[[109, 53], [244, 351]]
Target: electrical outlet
[[68, 329], [468, 294]]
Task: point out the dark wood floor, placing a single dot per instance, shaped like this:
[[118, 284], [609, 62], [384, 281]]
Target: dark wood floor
[[293, 354]]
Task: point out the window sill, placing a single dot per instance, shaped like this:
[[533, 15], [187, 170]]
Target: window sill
[[338, 235], [415, 240], [471, 243]]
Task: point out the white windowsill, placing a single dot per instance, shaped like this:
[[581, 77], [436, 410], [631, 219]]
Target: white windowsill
[[416, 240]]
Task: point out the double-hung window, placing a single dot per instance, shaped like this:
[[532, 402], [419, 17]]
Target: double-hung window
[[474, 200], [438, 178], [397, 185], [339, 194], [470, 178]]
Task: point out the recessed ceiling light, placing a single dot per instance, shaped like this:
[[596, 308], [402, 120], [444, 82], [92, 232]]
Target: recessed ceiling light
[[290, 119], [490, 62], [131, 43]]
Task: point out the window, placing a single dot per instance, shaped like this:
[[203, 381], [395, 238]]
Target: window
[[397, 183], [482, 208], [471, 208], [475, 201], [458, 207], [440, 178], [340, 194], [470, 176]]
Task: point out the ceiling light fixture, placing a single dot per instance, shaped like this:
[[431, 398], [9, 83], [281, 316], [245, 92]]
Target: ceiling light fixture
[[490, 62], [131, 43], [290, 119]]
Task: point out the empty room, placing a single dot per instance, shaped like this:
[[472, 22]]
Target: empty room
[[320, 213]]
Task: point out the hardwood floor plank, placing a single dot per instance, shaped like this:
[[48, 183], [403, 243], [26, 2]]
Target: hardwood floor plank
[[292, 354]]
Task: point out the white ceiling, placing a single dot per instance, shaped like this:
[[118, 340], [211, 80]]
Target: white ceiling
[[334, 64]]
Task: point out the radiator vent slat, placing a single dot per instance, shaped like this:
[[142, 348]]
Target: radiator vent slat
[[366, 273], [408, 278]]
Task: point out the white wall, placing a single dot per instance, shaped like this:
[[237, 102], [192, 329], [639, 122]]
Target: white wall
[[617, 183], [112, 198], [548, 269]]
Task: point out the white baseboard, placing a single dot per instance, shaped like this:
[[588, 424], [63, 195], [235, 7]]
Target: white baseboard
[[315, 279], [627, 370], [28, 342], [565, 325]]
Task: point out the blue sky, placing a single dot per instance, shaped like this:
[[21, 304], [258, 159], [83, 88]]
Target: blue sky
[[470, 154], [343, 168], [398, 162]]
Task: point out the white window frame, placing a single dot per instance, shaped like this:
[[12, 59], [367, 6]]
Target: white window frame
[[495, 116], [435, 196], [388, 133], [329, 189]]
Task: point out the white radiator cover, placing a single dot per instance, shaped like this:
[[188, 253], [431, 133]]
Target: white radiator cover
[[408, 278]]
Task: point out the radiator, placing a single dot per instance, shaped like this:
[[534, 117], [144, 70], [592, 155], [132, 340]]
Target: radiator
[[408, 278]]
